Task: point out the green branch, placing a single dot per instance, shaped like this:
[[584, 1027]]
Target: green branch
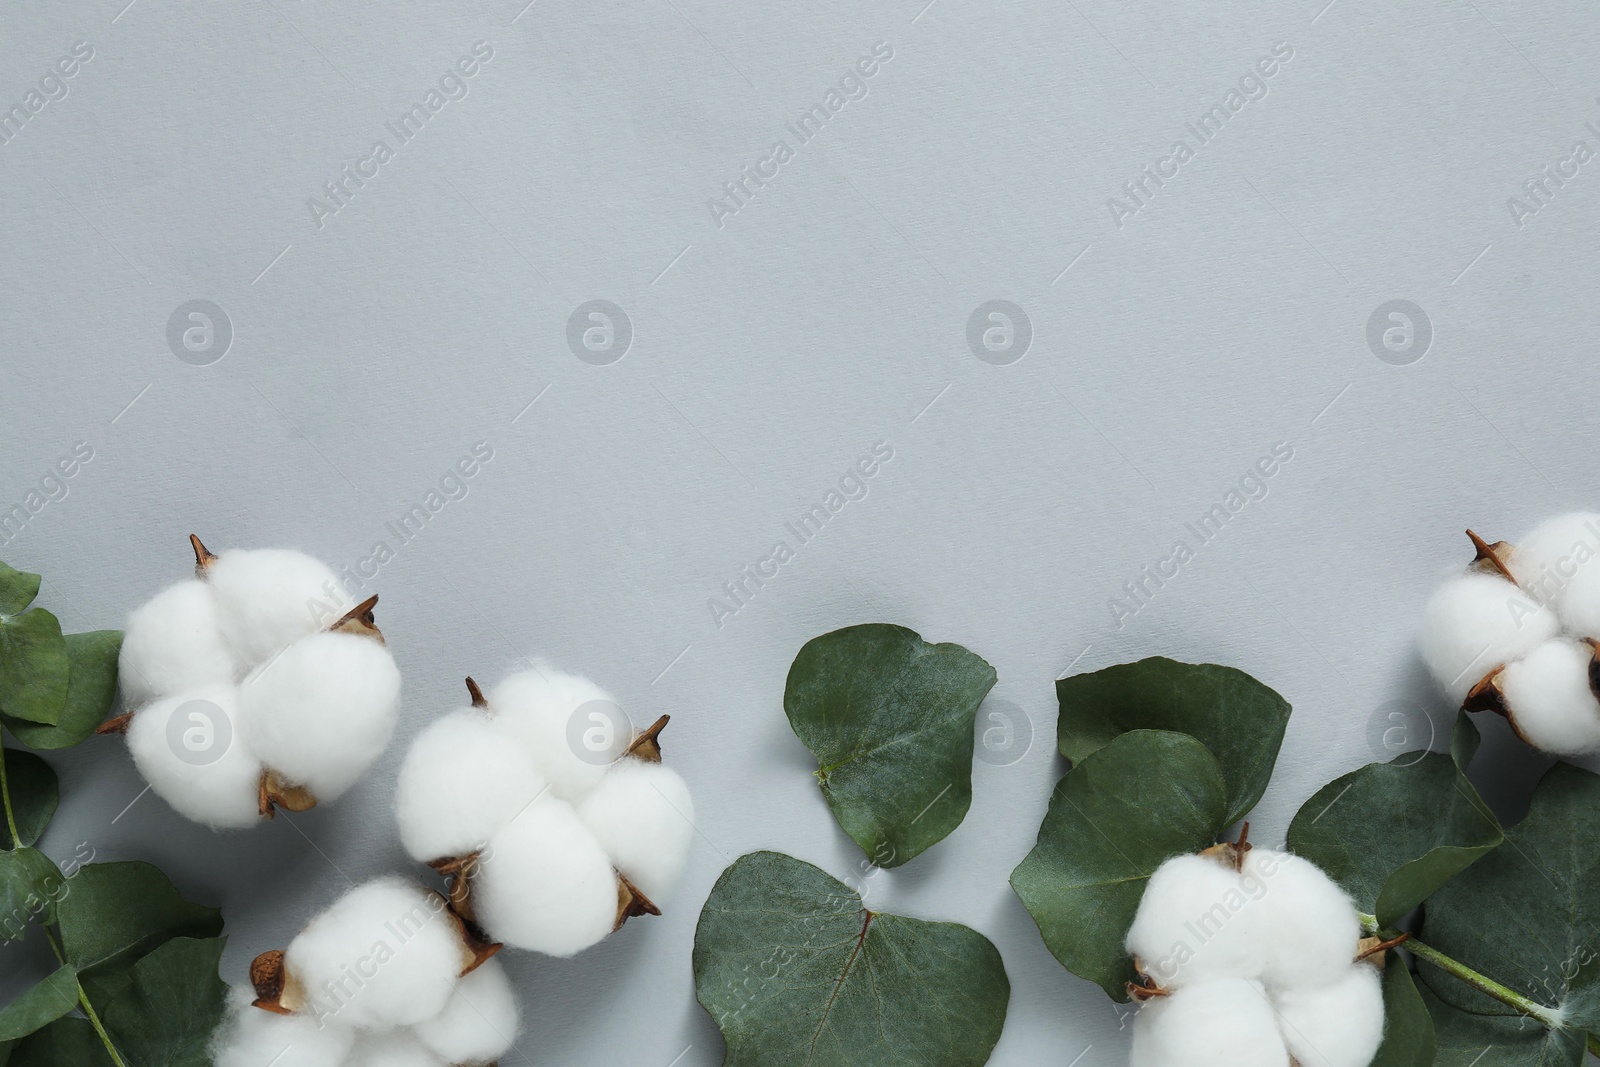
[[5, 792], [83, 1002]]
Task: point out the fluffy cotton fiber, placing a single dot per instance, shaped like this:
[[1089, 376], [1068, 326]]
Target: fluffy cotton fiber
[[1196, 922], [218, 784], [478, 1023], [1310, 928], [1559, 563], [1550, 700], [544, 883], [394, 1050], [1475, 623], [250, 1037], [1335, 1025], [538, 706], [1218, 1022], [268, 598], [642, 816], [172, 644]]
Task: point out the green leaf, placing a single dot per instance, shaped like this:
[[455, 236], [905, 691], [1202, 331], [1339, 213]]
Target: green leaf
[[33, 666], [1143, 798], [69, 1041], [1407, 1030], [795, 971], [91, 687], [175, 1002], [34, 796], [1464, 740], [1528, 914], [17, 590], [113, 911], [44, 1003], [1240, 720], [1468, 1040], [1392, 833], [891, 721], [29, 885]]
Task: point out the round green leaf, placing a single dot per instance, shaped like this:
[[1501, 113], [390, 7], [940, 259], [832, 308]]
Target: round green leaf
[[1407, 1030], [66, 1041], [43, 1004], [91, 687], [34, 668], [114, 911], [29, 884], [1468, 1040], [891, 720], [1392, 833], [17, 590], [1239, 719], [175, 1001], [1131, 805], [795, 971], [34, 795]]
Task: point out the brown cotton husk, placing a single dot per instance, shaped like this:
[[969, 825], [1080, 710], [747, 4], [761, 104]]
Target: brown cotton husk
[[203, 556], [1231, 853], [631, 902], [476, 948], [276, 989], [1594, 666], [1492, 559], [1487, 696], [1375, 950], [116, 725], [478, 700], [458, 869], [360, 621], [276, 793], [647, 745]]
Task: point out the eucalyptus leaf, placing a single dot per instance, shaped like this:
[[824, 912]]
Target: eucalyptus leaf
[[39, 1006], [891, 721], [91, 688], [1468, 1040], [67, 1042], [795, 970], [1392, 833], [1132, 804], [174, 1003], [17, 590], [1408, 1039], [29, 885], [1238, 718], [35, 792], [34, 668], [114, 911]]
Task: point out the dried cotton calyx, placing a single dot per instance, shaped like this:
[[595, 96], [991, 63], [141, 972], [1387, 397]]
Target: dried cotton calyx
[[1517, 634], [553, 826], [1251, 956], [254, 686], [387, 976]]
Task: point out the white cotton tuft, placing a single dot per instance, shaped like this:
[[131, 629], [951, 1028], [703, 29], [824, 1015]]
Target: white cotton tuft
[[1335, 1025], [643, 817], [1223, 1022], [385, 954], [1311, 929], [1196, 922], [400, 1049], [463, 779], [268, 598], [251, 1037], [572, 744], [173, 643], [323, 711], [479, 1022], [1559, 564], [1475, 623], [188, 747], [1551, 703], [544, 884]]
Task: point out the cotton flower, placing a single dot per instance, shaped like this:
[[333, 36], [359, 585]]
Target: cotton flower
[[250, 687], [1215, 1022], [1475, 623], [478, 1023], [641, 814], [1310, 928], [394, 1050], [1549, 699], [1196, 922], [544, 883], [250, 1037], [1335, 1025]]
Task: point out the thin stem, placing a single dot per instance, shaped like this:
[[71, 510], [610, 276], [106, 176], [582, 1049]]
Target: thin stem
[[5, 792], [88, 1009]]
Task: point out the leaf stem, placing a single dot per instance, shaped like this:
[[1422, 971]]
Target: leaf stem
[[1549, 1017], [5, 793], [88, 1009]]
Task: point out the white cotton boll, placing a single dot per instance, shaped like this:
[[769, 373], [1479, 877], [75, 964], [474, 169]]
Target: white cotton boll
[[173, 643], [1196, 922], [1475, 623], [479, 1022], [267, 598], [643, 817], [393, 1050], [1558, 563], [1311, 928], [544, 884], [188, 747], [462, 780], [1335, 1025], [541, 708], [1223, 1022], [323, 711], [251, 1037], [1550, 701], [385, 954]]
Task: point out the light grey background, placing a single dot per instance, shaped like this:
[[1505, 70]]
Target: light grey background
[[768, 354]]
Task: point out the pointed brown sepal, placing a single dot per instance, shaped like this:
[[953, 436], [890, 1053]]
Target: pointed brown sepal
[[116, 725], [647, 746], [476, 693], [458, 869], [1146, 990], [360, 620], [1486, 695], [1231, 853], [274, 793], [1372, 949], [1492, 557], [275, 992], [476, 948], [1594, 665], [631, 903], [203, 556]]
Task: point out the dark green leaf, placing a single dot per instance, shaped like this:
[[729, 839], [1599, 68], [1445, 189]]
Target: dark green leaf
[[44, 1003], [1467, 1040], [1392, 833], [68, 1042], [1240, 720], [795, 971], [34, 796], [29, 885], [890, 719], [91, 687], [113, 911], [1407, 1030], [33, 666], [1147, 796], [1464, 740], [174, 1003], [17, 590]]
